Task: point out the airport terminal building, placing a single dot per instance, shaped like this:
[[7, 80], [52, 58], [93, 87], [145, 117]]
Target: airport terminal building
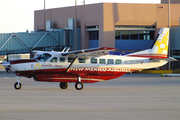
[[127, 27], [120, 25]]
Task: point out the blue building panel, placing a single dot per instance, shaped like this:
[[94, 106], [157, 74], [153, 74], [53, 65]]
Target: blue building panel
[[133, 44], [93, 43], [175, 38], [78, 39]]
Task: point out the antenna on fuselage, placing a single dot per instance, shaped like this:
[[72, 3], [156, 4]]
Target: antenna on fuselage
[[68, 49], [64, 49]]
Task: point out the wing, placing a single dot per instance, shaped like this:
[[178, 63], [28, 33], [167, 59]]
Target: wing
[[94, 52]]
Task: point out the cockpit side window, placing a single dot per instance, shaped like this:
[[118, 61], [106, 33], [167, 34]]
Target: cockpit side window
[[43, 57], [54, 60]]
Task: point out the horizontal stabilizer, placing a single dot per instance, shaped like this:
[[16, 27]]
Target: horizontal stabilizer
[[167, 59]]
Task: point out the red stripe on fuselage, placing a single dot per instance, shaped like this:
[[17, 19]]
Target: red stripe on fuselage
[[22, 61]]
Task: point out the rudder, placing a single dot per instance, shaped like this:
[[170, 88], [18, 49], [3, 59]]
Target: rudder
[[160, 48]]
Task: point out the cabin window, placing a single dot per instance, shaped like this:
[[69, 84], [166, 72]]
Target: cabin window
[[70, 59], [118, 61], [93, 60], [62, 59], [43, 57], [102, 61], [82, 60], [110, 61], [54, 59]]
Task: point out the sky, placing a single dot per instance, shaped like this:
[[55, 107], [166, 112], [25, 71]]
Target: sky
[[18, 15]]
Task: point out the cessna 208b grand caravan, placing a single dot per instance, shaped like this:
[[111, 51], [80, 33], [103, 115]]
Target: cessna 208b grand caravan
[[90, 65]]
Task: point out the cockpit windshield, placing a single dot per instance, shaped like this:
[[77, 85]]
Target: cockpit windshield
[[43, 57]]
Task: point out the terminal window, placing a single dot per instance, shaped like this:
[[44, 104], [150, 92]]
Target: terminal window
[[128, 32], [93, 35], [134, 35]]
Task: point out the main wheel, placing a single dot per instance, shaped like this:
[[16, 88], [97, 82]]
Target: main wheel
[[79, 86], [16, 86], [63, 85]]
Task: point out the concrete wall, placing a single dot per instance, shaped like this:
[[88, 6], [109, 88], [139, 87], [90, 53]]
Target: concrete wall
[[172, 1]]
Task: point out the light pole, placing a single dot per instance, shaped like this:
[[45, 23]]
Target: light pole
[[84, 2], [76, 25], [169, 25], [44, 15], [169, 13]]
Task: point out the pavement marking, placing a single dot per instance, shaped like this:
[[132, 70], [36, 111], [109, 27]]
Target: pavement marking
[[33, 111]]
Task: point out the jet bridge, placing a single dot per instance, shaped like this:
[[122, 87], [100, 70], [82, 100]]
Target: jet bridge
[[51, 39], [16, 43]]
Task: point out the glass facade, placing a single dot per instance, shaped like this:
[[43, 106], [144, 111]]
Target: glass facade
[[93, 35], [134, 35], [93, 39], [134, 32]]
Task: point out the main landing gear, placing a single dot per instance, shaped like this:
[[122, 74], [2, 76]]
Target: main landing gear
[[63, 85], [17, 85], [79, 85]]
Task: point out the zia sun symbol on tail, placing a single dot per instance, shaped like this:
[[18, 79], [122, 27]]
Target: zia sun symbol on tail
[[163, 44]]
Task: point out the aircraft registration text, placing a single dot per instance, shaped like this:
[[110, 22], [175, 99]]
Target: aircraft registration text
[[133, 62]]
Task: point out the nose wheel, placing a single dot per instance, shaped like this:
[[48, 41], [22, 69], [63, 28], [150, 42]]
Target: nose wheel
[[17, 85]]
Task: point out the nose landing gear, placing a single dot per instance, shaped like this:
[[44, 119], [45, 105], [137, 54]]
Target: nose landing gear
[[17, 85]]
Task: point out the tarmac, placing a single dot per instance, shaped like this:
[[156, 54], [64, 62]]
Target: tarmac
[[130, 97]]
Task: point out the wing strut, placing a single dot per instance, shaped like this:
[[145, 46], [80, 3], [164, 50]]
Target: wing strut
[[71, 64]]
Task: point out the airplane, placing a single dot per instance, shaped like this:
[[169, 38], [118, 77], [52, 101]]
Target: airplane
[[90, 65]]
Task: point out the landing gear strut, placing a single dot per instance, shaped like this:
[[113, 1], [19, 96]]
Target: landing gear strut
[[79, 85], [63, 85], [17, 85]]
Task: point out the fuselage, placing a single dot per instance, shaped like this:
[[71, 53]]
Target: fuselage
[[52, 67]]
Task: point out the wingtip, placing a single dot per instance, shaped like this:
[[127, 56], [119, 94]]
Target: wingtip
[[107, 48]]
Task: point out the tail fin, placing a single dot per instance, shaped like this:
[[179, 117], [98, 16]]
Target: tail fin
[[160, 48]]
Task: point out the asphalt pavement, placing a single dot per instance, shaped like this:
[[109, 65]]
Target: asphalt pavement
[[130, 97]]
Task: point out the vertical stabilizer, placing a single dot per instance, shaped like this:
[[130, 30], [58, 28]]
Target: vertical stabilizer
[[160, 48]]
